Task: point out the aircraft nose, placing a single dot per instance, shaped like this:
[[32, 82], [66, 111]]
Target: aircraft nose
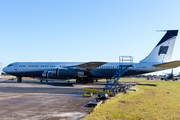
[[4, 69]]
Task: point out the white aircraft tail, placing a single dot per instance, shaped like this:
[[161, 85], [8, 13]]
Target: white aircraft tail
[[164, 49]]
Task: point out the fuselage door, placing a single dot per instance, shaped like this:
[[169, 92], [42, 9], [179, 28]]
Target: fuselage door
[[16, 66], [138, 66]]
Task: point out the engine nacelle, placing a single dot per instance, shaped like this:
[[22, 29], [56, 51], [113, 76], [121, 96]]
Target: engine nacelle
[[67, 72], [49, 75], [45, 74]]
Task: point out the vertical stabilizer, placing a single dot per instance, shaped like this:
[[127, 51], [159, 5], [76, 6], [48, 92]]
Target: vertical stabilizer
[[164, 49]]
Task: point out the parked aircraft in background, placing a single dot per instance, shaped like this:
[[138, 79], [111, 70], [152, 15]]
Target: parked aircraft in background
[[158, 59], [170, 77]]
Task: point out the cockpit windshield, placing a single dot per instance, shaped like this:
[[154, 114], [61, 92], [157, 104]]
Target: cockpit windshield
[[10, 65]]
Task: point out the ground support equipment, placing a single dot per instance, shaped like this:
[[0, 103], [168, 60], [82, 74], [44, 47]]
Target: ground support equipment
[[113, 85], [91, 91]]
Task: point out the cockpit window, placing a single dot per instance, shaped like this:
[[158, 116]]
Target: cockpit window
[[10, 65]]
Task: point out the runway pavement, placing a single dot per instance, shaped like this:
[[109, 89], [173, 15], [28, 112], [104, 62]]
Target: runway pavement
[[47, 101]]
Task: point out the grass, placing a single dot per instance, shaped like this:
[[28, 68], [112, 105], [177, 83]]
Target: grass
[[7, 77], [15, 78], [153, 100]]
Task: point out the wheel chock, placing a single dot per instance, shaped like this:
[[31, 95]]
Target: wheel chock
[[91, 91]]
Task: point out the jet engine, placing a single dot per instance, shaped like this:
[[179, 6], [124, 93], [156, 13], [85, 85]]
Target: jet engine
[[67, 72], [46, 74]]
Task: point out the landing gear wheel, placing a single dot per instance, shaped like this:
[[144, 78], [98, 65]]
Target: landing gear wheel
[[96, 80], [19, 80], [78, 80], [84, 81], [41, 81], [91, 80]]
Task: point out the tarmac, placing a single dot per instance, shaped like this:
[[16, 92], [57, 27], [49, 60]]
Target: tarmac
[[31, 100]]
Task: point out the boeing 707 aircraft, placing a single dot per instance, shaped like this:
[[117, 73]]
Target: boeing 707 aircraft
[[84, 72]]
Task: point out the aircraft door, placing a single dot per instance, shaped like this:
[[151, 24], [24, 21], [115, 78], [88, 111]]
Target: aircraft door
[[138, 66], [141, 66], [16, 66]]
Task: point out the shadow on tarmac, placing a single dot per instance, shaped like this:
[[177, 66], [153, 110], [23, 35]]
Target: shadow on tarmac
[[41, 90], [155, 85]]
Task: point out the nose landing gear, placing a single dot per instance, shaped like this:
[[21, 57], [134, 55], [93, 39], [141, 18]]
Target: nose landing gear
[[19, 79]]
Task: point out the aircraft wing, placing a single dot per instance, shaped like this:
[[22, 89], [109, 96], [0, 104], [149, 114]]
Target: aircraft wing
[[90, 65], [172, 64]]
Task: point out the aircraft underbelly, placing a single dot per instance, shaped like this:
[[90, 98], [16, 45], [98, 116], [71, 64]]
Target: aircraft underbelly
[[27, 74], [96, 73]]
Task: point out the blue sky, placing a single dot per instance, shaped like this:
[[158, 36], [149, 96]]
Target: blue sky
[[84, 30]]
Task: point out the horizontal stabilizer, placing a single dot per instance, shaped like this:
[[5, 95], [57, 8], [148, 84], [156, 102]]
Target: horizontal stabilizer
[[172, 64]]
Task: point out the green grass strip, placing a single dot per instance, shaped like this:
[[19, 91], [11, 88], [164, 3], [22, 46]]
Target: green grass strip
[[152, 100]]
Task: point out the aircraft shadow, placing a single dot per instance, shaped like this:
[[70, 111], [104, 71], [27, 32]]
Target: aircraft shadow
[[155, 85], [59, 84], [41, 90], [35, 82]]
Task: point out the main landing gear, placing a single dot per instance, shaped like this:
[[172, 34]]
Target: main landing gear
[[78, 80], [84, 80], [19, 79]]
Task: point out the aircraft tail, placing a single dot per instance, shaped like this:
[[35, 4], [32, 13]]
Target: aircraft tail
[[164, 49]]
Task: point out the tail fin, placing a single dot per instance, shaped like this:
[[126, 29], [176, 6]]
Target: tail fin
[[163, 50], [172, 71]]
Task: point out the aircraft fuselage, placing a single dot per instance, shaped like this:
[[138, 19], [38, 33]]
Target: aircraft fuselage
[[36, 69]]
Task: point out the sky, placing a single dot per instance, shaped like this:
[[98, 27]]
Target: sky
[[85, 30]]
